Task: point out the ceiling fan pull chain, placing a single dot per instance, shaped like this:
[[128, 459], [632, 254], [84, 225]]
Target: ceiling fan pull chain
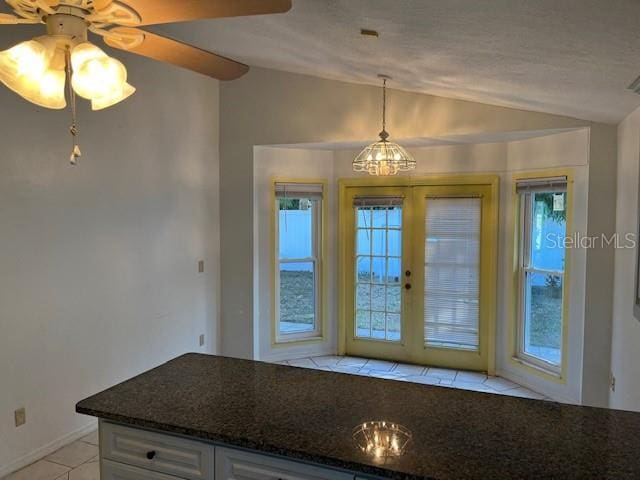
[[75, 150]]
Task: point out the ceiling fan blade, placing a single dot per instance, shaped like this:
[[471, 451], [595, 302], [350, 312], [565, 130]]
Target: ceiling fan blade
[[177, 53], [154, 12]]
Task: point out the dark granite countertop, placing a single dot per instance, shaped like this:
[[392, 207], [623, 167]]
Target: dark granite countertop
[[309, 415]]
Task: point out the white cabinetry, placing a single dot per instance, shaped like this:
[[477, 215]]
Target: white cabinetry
[[234, 464], [134, 454]]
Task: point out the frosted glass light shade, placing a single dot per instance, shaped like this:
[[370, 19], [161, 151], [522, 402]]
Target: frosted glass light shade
[[384, 158], [25, 69], [105, 102], [96, 75]]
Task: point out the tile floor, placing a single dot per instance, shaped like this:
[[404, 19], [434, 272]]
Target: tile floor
[[464, 380], [79, 460], [76, 461]]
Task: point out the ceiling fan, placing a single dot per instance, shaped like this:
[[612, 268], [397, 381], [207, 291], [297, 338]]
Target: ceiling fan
[[39, 68]]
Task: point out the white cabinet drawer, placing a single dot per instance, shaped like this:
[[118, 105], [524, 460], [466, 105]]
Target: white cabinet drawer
[[154, 451], [239, 465], [119, 471]]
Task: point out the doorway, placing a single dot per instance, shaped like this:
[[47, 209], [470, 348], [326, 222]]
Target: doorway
[[418, 267]]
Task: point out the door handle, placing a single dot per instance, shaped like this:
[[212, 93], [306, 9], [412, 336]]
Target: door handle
[[407, 286], [408, 273]]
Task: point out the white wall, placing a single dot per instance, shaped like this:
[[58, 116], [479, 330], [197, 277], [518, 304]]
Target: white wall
[[267, 107], [98, 263], [570, 149], [625, 349], [301, 164]]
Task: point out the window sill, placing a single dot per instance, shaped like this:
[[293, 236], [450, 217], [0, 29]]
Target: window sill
[[295, 341], [538, 370]]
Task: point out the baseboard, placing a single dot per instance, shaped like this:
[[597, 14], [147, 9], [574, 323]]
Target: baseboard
[[47, 449]]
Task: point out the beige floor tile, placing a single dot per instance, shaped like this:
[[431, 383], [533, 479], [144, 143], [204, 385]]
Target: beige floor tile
[[523, 393], [470, 377], [441, 373], [346, 369], [473, 386], [500, 384], [352, 362], [327, 360], [409, 369], [387, 375], [425, 380], [379, 365], [63, 477], [41, 470], [74, 454], [302, 362], [92, 438], [88, 471]]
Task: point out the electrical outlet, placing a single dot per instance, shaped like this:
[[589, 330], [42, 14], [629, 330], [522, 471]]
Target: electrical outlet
[[201, 340], [201, 266], [612, 382], [20, 416]]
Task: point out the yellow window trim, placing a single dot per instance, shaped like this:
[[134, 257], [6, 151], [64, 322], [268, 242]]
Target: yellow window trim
[[514, 283], [434, 180], [275, 343]]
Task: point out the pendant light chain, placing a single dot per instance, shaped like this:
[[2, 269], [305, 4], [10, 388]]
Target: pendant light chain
[[75, 149], [384, 105]]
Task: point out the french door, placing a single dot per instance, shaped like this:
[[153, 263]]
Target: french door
[[419, 273]]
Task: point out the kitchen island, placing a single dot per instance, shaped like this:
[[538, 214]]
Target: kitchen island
[[205, 417]]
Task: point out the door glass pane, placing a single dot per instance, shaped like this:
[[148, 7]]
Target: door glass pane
[[363, 273], [452, 273], [379, 246], [378, 272], [543, 317], [297, 297], [548, 230], [394, 270]]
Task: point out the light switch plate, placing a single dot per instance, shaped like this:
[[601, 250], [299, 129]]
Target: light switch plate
[[201, 266], [20, 416]]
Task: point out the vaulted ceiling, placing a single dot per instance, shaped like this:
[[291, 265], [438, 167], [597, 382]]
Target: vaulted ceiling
[[569, 57]]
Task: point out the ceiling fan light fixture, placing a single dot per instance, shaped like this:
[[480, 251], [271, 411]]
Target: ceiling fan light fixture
[[118, 96], [95, 74], [27, 70]]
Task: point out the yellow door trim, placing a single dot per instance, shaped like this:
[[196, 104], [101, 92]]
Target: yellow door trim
[[490, 261]]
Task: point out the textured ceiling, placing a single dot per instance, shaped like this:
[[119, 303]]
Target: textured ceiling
[[570, 57]]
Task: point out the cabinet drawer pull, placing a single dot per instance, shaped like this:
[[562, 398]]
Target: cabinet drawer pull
[[151, 455]]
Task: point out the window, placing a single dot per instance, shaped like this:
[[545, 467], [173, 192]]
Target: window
[[298, 224], [543, 228]]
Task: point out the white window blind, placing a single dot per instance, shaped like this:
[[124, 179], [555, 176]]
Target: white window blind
[[298, 190], [378, 201], [452, 272], [552, 184]]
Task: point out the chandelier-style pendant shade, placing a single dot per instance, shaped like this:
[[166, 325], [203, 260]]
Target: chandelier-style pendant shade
[[384, 158]]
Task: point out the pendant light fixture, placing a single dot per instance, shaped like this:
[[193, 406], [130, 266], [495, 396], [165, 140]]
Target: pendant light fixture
[[384, 158]]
